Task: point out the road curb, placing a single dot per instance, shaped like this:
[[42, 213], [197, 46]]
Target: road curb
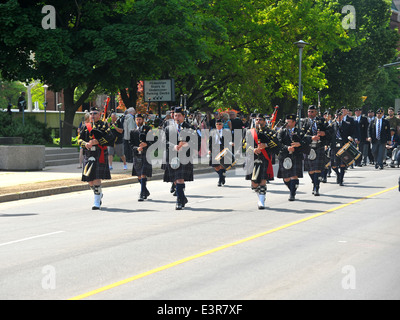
[[84, 186]]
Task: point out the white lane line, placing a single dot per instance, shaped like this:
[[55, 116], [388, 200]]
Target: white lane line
[[30, 238]]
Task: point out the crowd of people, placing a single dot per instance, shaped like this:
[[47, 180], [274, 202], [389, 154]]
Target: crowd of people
[[317, 144]]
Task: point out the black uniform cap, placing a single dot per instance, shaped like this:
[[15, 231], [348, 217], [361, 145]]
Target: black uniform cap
[[179, 110]]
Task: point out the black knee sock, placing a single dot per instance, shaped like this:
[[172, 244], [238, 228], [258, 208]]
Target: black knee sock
[[341, 173], [179, 191], [143, 182], [287, 183], [316, 180]]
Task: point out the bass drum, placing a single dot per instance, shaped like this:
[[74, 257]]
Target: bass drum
[[348, 154]]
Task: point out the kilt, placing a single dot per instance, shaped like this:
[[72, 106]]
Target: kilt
[[100, 171], [259, 164], [296, 170], [318, 164], [335, 160], [141, 167], [185, 172]]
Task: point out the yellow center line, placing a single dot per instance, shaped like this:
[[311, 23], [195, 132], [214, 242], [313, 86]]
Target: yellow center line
[[229, 245]]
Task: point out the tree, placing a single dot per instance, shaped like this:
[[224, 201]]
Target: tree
[[106, 43], [9, 92], [254, 62], [374, 44]]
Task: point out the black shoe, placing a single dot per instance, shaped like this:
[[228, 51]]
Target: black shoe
[[95, 208], [141, 197], [173, 188], [146, 194], [219, 183], [292, 197], [178, 206], [185, 200], [316, 193]]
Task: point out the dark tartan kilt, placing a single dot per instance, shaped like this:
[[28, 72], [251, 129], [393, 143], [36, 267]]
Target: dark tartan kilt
[[335, 160], [185, 172], [141, 167], [100, 171], [296, 170], [263, 175], [318, 164]]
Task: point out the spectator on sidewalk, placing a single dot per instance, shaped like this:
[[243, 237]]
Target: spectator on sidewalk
[[129, 124], [117, 128]]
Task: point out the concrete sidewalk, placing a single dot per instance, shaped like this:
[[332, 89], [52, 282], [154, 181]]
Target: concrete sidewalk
[[15, 185]]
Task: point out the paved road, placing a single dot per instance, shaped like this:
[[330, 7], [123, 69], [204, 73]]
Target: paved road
[[344, 244]]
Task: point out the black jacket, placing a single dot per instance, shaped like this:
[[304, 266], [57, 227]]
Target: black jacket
[[345, 132], [285, 141], [139, 135], [361, 128], [385, 131]]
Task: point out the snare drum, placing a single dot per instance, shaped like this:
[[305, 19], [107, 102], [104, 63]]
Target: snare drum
[[348, 153], [222, 154]]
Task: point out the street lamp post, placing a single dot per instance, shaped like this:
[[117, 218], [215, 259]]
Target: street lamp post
[[300, 44]]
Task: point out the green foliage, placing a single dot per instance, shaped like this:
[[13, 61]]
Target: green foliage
[[229, 53], [9, 92], [373, 44], [32, 132], [384, 89]]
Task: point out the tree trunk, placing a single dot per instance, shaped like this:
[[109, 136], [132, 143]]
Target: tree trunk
[[129, 95], [70, 107]]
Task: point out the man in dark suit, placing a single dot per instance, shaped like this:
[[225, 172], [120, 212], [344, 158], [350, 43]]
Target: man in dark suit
[[346, 117], [379, 136], [361, 136]]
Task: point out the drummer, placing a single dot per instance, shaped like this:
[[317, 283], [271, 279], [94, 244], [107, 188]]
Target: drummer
[[258, 160], [216, 143], [316, 131], [292, 146], [341, 131]]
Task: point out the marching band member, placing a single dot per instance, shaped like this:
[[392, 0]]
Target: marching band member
[[341, 131], [139, 144], [179, 155], [315, 129], [258, 160], [216, 144], [94, 139], [291, 154]]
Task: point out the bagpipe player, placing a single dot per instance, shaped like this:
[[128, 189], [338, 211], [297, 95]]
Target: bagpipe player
[[317, 132], [261, 145], [292, 147], [139, 142], [181, 141], [94, 138]]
